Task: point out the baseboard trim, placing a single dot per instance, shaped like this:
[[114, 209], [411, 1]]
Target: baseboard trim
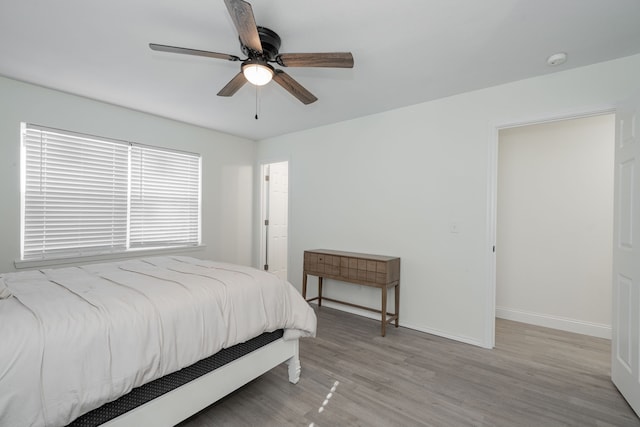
[[555, 322], [370, 315]]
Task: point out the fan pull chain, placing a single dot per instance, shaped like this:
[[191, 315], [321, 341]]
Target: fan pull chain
[[256, 102]]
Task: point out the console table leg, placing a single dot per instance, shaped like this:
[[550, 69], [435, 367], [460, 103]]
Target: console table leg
[[384, 310], [304, 285], [397, 303], [319, 291]]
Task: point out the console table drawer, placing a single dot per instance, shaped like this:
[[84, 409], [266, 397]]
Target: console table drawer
[[354, 268]]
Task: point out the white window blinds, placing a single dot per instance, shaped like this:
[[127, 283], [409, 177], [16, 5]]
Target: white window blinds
[[165, 198], [85, 195]]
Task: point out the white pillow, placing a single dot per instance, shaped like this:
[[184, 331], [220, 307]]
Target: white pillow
[[4, 290]]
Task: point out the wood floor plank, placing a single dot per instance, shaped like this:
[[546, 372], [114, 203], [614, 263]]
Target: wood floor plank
[[533, 377]]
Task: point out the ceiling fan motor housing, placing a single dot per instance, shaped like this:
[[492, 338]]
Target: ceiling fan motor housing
[[270, 41]]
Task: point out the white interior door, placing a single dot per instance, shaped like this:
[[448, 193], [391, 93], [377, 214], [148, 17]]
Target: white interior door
[[625, 343], [276, 212]]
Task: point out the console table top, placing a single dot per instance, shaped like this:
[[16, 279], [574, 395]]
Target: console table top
[[352, 254]]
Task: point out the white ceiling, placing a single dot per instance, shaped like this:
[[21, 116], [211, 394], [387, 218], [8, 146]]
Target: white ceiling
[[405, 52]]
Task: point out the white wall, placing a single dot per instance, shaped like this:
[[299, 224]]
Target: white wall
[[393, 183], [227, 163], [555, 224]]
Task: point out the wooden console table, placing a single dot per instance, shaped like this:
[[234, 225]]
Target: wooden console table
[[363, 269]]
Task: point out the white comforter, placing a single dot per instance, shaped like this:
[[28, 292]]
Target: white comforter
[[72, 339]]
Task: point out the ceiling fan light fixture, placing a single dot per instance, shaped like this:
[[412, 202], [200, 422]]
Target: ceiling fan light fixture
[[256, 73]]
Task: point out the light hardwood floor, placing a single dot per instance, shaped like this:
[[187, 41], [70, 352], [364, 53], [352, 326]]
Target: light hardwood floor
[[533, 377]]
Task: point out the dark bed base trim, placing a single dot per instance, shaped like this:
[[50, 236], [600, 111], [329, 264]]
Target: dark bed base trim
[[147, 392]]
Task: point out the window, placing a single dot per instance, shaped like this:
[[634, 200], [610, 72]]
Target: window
[[84, 195]]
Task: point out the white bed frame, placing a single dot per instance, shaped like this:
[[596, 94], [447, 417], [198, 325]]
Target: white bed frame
[[182, 402]]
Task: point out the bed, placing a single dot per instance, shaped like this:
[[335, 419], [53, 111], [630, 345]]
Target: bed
[[74, 339]]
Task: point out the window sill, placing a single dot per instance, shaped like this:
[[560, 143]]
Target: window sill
[[135, 253]]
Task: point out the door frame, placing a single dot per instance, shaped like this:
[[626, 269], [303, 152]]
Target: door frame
[[492, 200], [264, 202]]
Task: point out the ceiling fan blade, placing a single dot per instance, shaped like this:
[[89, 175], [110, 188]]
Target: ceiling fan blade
[[232, 87], [242, 17], [329, 59], [293, 87], [187, 51]]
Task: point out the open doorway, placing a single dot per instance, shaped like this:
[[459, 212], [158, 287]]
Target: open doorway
[[554, 224], [275, 218]]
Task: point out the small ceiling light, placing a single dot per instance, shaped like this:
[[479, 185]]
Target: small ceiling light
[[557, 59], [257, 72]]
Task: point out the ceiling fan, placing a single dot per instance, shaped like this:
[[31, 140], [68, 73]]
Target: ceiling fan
[[261, 46]]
